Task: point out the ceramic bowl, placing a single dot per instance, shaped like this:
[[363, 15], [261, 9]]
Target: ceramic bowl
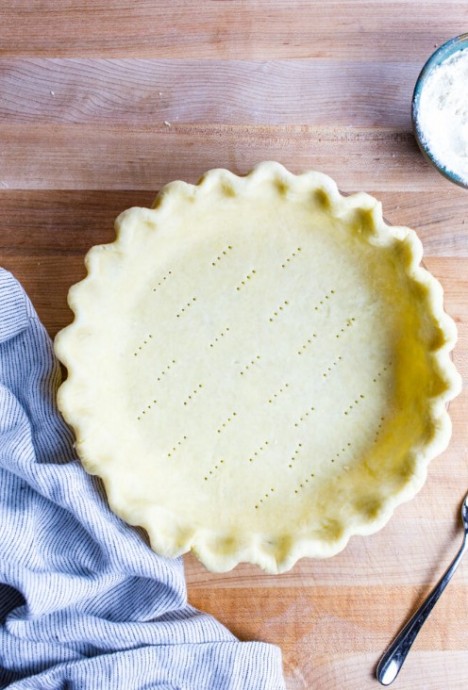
[[445, 51]]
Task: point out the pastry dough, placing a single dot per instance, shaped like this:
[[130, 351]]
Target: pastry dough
[[258, 368]]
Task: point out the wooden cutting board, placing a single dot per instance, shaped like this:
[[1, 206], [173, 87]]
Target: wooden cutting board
[[103, 102]]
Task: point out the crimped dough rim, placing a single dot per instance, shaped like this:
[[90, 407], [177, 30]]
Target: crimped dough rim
[[257, 548]]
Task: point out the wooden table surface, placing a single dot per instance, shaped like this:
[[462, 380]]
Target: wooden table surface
[[103, 101]]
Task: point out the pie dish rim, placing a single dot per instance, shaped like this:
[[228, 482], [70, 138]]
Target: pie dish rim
[[256, 549]]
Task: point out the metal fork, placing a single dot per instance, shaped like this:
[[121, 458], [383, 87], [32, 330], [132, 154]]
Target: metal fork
[[390, 664]]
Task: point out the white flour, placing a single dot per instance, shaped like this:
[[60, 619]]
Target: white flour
[[443, 114]]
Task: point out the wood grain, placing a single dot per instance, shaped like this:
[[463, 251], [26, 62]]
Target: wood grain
[[85, 157], [353, 29], [339, 614], [74, 220], [102, 102], [136, 92]]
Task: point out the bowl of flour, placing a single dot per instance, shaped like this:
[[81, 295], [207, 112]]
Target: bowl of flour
[[440, 110]]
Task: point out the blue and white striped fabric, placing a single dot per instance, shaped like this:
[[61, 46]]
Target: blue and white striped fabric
[[84, 603]]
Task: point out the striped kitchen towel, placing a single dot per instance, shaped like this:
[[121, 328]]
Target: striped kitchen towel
[[84, 602]]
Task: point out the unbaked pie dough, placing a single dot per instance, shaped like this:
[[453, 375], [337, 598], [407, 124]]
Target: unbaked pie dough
[[258, 368]]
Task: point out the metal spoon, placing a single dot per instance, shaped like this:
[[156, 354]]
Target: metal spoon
[[390, 664]]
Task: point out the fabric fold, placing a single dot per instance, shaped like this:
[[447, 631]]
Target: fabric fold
[[84, 602]]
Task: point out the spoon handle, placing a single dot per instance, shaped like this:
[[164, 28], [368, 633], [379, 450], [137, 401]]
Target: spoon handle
[[392, 661]]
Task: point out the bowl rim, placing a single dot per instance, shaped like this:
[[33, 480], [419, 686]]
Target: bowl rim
[[442, 53]]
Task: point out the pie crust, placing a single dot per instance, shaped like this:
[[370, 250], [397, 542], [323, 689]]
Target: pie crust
[[258, 368]]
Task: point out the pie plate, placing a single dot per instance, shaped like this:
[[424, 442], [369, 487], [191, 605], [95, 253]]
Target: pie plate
[[258, 368]]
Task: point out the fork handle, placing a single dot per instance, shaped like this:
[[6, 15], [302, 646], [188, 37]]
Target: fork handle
[[392, 661]]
